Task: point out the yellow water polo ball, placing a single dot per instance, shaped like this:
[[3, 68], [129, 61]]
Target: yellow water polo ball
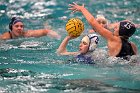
[[74, 27]]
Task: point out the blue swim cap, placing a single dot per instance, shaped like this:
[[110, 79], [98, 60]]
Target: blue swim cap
[[127, 29], [13, 21]]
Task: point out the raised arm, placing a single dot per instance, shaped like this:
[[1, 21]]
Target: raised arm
[[91, 20], [62, 48]]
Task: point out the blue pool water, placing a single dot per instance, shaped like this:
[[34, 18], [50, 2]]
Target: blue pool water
[[31, 65]]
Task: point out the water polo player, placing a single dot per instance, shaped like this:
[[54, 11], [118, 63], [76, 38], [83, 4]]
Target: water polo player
[[16, 28], [117, 41], [86, 48]]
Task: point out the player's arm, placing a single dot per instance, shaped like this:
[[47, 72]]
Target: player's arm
[[92, 21], [41, 32], [62, 48]]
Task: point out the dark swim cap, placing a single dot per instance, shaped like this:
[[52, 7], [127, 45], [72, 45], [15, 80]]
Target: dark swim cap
[[14, 20], [126, 29]]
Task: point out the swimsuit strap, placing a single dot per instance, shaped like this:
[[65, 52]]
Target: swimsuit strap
[[10, 35]]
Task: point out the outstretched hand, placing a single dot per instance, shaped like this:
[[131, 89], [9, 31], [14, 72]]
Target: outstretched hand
[[75, 7], [53, 34], [137, 25]]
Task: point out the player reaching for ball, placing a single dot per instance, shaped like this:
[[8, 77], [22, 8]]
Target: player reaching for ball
[[74, 28], [118, 41], [86, 48]]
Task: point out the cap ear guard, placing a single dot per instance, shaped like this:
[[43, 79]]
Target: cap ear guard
[[93, 38]]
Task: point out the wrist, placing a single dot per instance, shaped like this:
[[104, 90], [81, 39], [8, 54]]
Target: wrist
[[68, 37], [83, 9]]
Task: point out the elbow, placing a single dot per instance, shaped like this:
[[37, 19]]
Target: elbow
[[58, 52], [46, 31]]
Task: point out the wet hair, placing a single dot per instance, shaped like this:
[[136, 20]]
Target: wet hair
[[13, 21], [101, 19], [127, 29]]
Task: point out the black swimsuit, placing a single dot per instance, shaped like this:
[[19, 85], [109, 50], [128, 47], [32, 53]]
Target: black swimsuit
[[10, 35], [126, 49]]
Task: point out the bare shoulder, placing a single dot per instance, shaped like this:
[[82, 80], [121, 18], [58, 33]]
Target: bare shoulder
[[134, 47], [5, 36]]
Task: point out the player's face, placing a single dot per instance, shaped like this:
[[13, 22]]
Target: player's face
[[17, 29], [83, 47], [102, 22]]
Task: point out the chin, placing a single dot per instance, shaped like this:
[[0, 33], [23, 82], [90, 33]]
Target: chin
[[19, 34], [82, 52]]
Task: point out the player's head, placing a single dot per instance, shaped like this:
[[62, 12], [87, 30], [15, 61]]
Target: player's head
[[89, 43]]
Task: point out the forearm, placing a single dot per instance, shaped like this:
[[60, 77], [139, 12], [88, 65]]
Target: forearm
[[41, 32], [90, 18], [95, 25], [53, 34], [62, 47]]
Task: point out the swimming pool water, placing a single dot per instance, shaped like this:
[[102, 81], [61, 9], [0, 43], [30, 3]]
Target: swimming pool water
[[31, 65]]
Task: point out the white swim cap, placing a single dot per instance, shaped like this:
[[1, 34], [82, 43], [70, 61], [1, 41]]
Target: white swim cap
[[92, 40]]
